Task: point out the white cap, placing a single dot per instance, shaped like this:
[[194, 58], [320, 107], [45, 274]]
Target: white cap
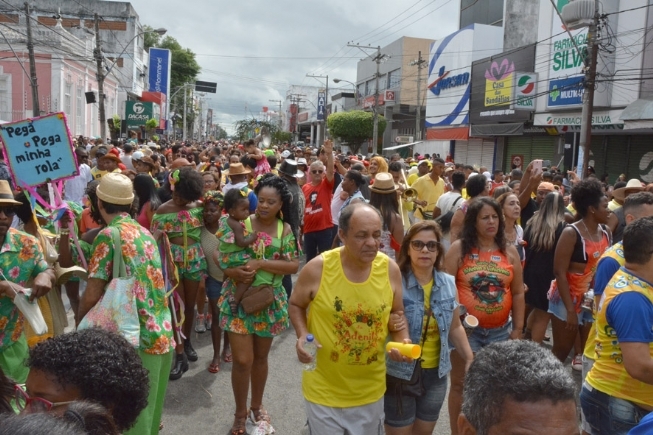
[[137, 155], [286, 154]]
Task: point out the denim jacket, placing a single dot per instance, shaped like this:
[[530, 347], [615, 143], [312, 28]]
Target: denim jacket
[[443, 303]]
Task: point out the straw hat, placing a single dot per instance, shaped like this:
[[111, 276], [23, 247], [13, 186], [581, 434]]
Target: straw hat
[[633, 186], [238, 169], [6, 195], [115, 189], [383, 183]]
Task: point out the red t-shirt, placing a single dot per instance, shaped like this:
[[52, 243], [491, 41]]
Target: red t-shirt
[[317, 214]]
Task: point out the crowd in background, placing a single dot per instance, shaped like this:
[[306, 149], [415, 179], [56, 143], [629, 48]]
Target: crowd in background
[[430, 251]]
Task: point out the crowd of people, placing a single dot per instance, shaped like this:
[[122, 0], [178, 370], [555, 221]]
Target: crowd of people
[[473, 266]]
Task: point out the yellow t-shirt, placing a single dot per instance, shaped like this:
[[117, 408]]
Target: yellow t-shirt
[[613, 205], [350, 321], [431, 348], [608, 374], [412, 178], [427, 191]]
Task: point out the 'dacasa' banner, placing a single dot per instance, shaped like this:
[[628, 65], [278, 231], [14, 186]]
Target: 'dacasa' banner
[[39, 150]]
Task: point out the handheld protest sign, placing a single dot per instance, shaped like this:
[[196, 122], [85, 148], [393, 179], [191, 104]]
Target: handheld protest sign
[[39, 150]]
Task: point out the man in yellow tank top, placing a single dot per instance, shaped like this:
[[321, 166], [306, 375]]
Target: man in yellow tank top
[[618, 390], [351, 292]]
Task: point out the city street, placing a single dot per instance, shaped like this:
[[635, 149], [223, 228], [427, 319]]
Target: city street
[[202, 402]]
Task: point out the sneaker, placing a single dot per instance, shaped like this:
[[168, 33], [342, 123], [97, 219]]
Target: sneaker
[[209, 321], [199, 324], [577, 363]]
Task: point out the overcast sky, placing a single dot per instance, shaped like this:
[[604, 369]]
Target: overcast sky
[[256, 49]]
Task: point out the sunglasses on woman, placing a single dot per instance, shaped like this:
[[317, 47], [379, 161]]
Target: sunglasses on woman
[[33, 404], [317, 172], [418, 245]]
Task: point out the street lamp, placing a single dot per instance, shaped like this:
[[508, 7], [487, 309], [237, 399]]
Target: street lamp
[[101, 75], [351, 83]]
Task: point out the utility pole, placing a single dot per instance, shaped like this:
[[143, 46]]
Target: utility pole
[[100, 79], [296, 99], [326, 100], [183, 133], [588, 94], [421, 63], [375, 109], [36, 111], [278, 101]]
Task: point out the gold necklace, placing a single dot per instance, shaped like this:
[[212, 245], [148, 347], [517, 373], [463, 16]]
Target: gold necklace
[[589, 234]]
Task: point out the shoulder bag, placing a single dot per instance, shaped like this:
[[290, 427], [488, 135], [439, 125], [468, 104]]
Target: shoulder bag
[[116, 311], [414, 387], [445, 220]]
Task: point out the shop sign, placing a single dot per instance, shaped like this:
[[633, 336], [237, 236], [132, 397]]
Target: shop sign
[[566, 92], [603, 118], [525, 90], [137, 113], [499, 83]]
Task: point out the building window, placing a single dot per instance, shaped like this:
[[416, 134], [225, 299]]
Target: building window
[[79, 125], [361, 90], [369, 87], [67, 99], [394, 78], [383, 82]]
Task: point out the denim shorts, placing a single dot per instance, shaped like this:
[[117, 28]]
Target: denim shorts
[[481, 337], [213, 288], [609, 415], [557, 308], [402, 411]]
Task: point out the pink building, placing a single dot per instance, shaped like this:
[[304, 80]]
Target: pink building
[[65, 69]]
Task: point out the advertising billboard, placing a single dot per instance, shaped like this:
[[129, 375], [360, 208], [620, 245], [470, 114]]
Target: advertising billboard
[[496, 86], [159, 70], [449, 83]]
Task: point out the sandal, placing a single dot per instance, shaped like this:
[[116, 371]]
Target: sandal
[[259, 414], [240, 425], [227, 357], [214, 368]]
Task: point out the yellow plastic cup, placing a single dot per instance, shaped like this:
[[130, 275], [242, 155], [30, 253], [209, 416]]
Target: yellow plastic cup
[[410, 350]]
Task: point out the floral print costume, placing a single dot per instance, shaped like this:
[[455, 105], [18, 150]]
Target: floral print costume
[[237, 256], [274, 319], [143, 262], [188, 257], [21, 260]]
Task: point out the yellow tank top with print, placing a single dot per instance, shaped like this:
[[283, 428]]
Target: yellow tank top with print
[[615, 252], [609, 374], [431, 348], [350, 321]]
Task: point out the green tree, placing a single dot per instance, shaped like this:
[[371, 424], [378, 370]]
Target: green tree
[[354, 127], [150, 39], [280, 137], [249, 128]]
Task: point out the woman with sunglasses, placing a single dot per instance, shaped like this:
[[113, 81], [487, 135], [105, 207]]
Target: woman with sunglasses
[[490, 286], [429, 296]]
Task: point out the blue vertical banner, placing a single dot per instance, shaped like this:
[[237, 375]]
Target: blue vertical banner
[[159, 70], [321, 105]]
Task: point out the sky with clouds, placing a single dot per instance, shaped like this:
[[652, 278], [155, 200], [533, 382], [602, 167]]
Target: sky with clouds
[[256, 49]]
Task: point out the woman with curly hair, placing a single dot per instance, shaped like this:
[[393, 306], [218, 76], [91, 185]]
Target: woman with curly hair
[[490, 287], [213, 202], [250, 335], [93, 365], [181, 220], [578, 251]]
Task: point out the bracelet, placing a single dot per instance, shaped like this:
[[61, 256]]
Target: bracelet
[[64, 232]]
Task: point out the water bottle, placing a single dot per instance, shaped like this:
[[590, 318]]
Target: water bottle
[[311, 348]]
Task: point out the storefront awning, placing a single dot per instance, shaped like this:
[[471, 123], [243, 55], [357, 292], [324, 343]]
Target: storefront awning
[[403, 145], [638, 114], [506, 129], [454, 133]]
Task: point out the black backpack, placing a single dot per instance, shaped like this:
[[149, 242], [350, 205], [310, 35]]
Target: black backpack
[[445, 220]]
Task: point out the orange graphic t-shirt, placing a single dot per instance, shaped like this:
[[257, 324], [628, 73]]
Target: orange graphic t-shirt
[[483, 282]]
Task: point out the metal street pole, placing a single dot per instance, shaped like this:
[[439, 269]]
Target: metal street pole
[[418, 113], [375, 135], [36, 111], [100, 78], [278, 101], [588, 95], [183, 132]]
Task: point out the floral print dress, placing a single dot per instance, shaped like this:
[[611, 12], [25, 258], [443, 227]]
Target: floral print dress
[[143, 262], [189, 257], [274, 319]]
